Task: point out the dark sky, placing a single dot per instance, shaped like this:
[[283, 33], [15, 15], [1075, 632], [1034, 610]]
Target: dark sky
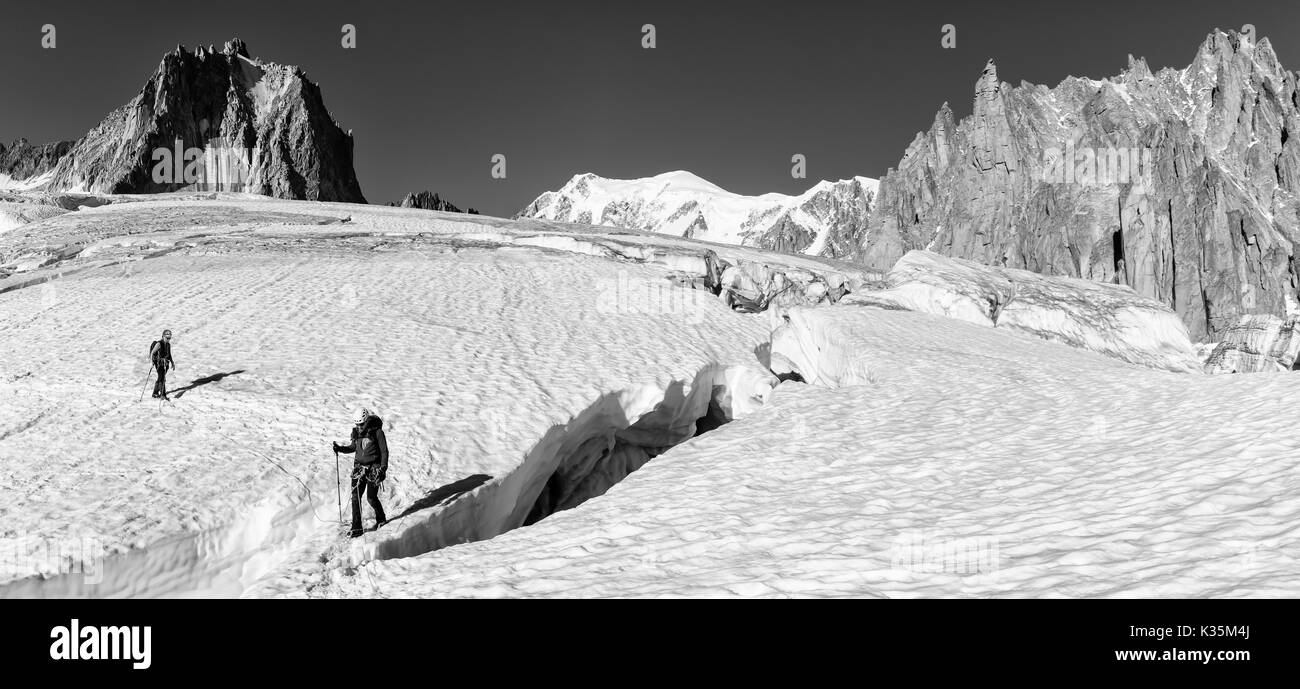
[[560, 87]]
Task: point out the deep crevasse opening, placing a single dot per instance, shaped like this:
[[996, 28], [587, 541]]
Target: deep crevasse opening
[[573, 462], [607, 458]]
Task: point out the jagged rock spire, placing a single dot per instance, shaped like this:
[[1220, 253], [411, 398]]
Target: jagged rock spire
[[1185, 190], [205, 100], [235, 47]]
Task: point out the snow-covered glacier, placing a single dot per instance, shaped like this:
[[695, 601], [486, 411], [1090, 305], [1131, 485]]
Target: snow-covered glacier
[[532, 365], [592, 411], [934, 457]]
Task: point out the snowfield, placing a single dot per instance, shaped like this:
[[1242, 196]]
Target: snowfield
[[952, 460], [490, 362], [544, 387], [14, 215]]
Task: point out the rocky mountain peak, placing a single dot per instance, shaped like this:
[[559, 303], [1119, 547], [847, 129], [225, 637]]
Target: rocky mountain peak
[[430, 202], [1137, 69], [987, 87], [235, 47], [260, 128], [21, 160], [1181, 185], [990, 73]]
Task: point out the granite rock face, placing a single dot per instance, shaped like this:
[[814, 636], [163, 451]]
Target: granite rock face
[[21, 160], [251, 126], [828, 220], [1257, 344], [1180, 184], [430, 202]]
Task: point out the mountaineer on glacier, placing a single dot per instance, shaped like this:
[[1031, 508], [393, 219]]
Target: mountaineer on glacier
[[160, 355], [369, 468]]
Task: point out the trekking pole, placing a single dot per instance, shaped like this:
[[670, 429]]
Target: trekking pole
[[338, 486], [147, 376]]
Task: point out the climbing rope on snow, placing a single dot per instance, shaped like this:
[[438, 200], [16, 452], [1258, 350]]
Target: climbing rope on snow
[[310, 499]]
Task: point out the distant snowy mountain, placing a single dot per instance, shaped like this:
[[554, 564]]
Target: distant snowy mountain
[[827, 220]]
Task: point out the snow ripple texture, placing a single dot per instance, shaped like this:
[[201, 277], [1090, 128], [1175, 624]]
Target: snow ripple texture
[[470, 351], [945, 459]]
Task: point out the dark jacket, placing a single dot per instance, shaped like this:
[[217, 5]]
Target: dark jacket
[[161, 353], [369, 444]]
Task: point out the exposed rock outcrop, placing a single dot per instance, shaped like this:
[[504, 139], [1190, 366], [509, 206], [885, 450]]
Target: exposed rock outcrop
[[260, 127], [1180, 184], [430, 202], [1259, 343], [21, 160]]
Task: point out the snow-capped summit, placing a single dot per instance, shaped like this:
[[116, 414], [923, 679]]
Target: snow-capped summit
[[826, 220]]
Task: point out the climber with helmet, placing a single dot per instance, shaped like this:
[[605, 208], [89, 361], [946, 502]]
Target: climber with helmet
[[369, 468]]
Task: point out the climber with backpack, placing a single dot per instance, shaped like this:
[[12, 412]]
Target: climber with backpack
[[369, 468], [160, 356]]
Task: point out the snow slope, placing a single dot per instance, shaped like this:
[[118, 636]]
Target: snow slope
[[494, 357], [8, 183], [1110, 319], [822, 221], [13, 215], [948, 459], [524, 367]]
